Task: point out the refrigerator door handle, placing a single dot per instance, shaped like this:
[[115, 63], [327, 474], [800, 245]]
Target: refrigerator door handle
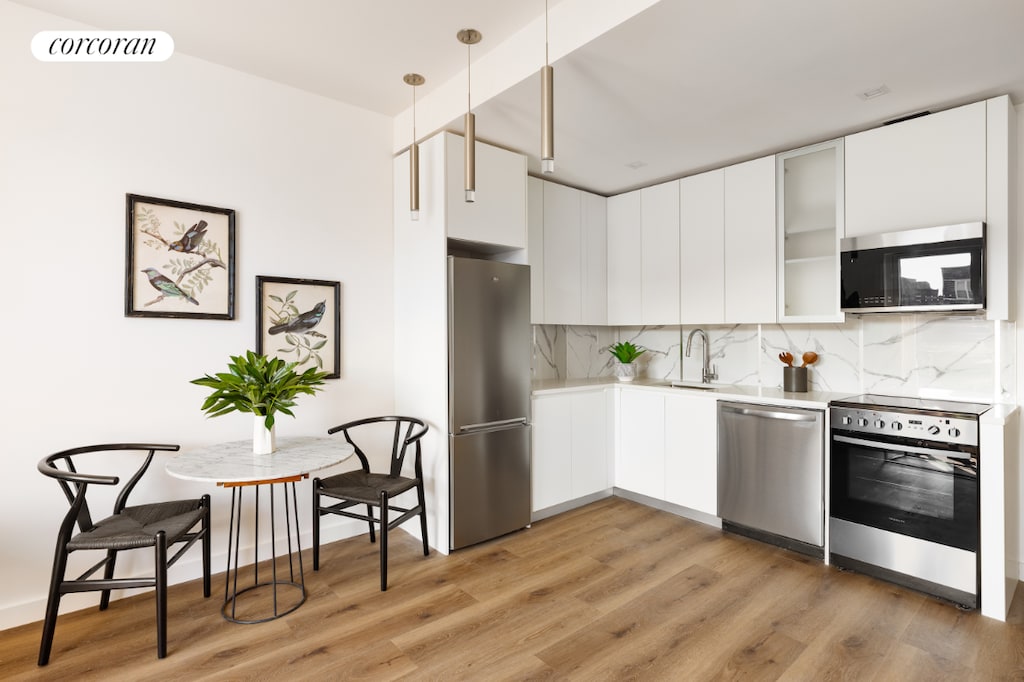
[[490, 426]]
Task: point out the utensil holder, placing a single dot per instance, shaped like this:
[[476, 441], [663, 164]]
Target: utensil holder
[[794, 379]]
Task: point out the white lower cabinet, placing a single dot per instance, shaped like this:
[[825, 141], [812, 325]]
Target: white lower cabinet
[[570, 446], [640, 456], [668, 448], [691, 452]]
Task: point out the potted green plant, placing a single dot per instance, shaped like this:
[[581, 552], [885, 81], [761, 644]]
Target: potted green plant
[[261, 386], [625, 354]]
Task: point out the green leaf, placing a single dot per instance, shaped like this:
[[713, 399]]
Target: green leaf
[[625, 352], [259, 385]]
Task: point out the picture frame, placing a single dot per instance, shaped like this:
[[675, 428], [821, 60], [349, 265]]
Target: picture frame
[[299, 320], [179, 259]]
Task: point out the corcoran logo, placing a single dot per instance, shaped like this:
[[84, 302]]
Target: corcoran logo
[[102, 46]]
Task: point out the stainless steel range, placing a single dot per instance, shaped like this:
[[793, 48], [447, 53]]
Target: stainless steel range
[[904, 492]]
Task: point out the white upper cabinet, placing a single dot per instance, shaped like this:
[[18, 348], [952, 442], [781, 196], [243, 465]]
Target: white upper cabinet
[[659, 229], [810, 225], [625, 260], [921, 172], [702, 248], [1001, 185], [498, 216], [535, 247], [567, 255], [562, 255], [750, 242], [594, 268]]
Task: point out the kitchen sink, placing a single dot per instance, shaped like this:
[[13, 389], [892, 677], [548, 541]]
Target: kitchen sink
[[695, 385]]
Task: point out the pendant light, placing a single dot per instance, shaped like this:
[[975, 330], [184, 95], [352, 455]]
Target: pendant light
[[469, 37], [414, 79], [547, 107]]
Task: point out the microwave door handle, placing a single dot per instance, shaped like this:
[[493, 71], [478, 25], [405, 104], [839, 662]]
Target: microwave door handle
[[909, 449]]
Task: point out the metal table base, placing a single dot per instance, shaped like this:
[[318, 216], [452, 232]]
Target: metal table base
[[232, 593]]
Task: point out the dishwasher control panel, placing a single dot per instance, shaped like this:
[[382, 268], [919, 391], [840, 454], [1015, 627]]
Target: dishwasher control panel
[[936, 428]]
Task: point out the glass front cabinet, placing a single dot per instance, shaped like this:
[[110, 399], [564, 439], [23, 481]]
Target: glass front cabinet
[[810, 225]]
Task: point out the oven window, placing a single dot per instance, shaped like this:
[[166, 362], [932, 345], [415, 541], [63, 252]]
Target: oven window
[[908, 493], [902, 482]]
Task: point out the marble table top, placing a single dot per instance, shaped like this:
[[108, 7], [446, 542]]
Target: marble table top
[[235, 462]]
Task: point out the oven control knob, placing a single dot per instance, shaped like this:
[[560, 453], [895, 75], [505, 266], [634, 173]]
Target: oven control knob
[[896, 426], [934, 430], [862, 422], [879, 424], [954, 432], [846, 421]]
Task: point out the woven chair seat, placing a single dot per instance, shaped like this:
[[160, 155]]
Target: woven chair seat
[[137, 526], [360, 486], [156, 526], [376, 491]]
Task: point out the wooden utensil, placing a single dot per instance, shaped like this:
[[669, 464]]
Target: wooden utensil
[[810, 357], [787, 358]]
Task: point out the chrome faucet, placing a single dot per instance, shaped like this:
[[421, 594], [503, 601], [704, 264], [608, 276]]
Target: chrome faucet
[[707, 370]]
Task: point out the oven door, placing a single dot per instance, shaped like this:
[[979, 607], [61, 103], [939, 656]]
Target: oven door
[[920, 492]]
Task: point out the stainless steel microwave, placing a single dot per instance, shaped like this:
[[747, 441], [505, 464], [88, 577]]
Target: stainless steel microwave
[[931, 269]]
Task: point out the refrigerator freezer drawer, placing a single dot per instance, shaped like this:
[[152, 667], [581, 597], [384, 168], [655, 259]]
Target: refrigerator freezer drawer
[[490, 484]]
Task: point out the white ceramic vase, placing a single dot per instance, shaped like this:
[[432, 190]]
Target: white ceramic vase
[[625, 371], [262, 437]]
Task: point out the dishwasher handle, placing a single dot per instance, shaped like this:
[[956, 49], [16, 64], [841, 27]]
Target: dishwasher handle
[[770, 414]]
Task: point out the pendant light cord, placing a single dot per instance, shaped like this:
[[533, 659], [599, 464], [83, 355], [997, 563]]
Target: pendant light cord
[[546, 56]]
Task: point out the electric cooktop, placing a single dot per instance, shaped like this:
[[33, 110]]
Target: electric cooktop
[[920, 405]]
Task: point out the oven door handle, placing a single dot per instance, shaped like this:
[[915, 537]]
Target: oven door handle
[[910, 449]]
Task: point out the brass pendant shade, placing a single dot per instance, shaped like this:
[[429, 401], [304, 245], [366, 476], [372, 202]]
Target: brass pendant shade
[[547, 119], [414, 79], [547, 107], [469, 37]]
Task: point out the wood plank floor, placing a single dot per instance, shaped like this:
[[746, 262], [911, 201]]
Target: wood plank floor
[[612, 591]]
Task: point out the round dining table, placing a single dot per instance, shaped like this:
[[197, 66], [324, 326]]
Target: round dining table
[[233, 465]]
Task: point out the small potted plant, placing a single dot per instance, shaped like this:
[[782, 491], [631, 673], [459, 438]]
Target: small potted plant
[[261, 386], [625, 354]]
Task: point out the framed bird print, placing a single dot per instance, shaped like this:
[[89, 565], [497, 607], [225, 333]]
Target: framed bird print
[[299, 320], [179, 259]]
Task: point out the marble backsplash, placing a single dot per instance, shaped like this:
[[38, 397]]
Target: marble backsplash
[[957, 357]]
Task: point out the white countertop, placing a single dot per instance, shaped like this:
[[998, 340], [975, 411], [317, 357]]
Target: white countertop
[[766, 395]]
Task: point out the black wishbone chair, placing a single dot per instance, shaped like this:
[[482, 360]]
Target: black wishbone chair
[[157, 526], [352, 488]]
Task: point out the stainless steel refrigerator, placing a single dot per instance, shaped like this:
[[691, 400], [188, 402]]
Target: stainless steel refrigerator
[[489, 352]]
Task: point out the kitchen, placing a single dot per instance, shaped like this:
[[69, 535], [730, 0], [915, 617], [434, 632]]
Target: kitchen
[[369, 318]]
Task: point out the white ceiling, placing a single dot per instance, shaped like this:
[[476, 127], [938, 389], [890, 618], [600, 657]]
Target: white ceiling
[[685, 86]]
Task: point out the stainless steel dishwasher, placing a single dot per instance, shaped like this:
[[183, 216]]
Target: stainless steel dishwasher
[[771, 474]]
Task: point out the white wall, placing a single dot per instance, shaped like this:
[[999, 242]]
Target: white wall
[[310, 180]]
